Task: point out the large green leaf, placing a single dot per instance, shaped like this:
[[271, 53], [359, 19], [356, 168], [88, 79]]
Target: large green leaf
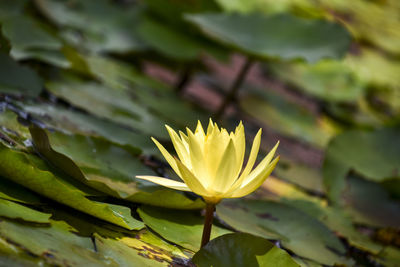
[[18, 80], [55, 244], [105, 27], [278, 36], [31, 172], [287, 117], [10, 209], [182, 228], [373, 154], [301, 233], [370, 204], [107, 167], [17, 193], [241, 249], [74, 122], [327, 80]]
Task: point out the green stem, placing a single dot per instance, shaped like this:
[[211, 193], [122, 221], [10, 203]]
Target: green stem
[[184, 78], [210, 208], [234, 88]]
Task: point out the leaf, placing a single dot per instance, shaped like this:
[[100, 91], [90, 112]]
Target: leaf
[[55, 244], [106, 27], [278, 36], [17, 193], [337, 219], [328, 80], [182, 228], [13, 210], [75, 122], [130, 251], [287, 117], [301, 233], [107, 167], [18, 80], [373, 154], [31, 172], [241, 249], [369, 203], [112, 104]]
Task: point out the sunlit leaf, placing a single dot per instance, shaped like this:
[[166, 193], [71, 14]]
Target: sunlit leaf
[[241, 249]]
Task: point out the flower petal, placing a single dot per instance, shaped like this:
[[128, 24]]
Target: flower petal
[[167, 156], [250, 162], [166, 182], [261, 166], [256, 182], [198, 163], [191, 180], [226, 173], [179, 146], [239, 141]]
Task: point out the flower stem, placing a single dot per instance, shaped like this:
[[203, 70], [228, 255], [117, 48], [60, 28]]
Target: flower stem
[[210, 208]]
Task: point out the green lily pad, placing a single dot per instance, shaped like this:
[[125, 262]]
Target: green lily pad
[[287, 117], [108, 168], [302, 234], [17, 193], [31, 172], [18, 80], [55, 244], [328, 80], [241, 249], [370, 204], [112, 104], [75, 122], [182, 228], [278, 36], [131, 251], [10, 209], [373, 154], [106, 27]]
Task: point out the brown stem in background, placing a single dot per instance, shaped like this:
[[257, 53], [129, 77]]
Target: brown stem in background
[[234, 89], [184, 78], [210, 208]]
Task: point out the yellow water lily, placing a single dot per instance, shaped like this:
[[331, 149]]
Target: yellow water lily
[[210, 165]]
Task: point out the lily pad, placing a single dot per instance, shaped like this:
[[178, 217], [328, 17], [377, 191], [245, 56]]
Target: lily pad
[[31, 172], [107, 167], [370, 204], [74, 122], [278, 36], [17, 193], [301, 233], [18, 80], [373, 154], [12, 210], [182, 228], [287, 117], [328, 80], [55, 244], [241, 249]]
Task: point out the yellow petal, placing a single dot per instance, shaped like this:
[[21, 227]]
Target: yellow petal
[[166, 182], [239, 141], [167, 156], [179, 146], [191, 180], [250, 162], [256, 182], [210, 127], [226, 173], [261, 166], [214, 149], [197, 159], [199, 132]]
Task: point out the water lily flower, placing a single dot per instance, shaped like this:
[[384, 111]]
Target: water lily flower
[[210, 165]]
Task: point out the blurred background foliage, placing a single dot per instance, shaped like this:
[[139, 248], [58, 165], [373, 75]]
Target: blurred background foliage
[[84, 84]]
